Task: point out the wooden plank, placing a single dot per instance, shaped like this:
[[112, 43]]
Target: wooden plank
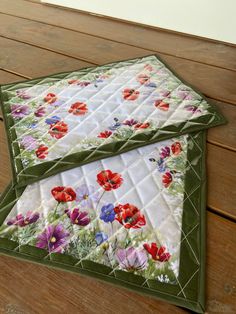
[[33, 61], [6, 77], [221, 179], [224, 135], [221, 261], [64, 292], [78, 45], [184, 46], [215, 82], [221, 164]]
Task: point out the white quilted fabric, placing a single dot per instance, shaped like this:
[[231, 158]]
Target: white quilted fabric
[[144, 185]]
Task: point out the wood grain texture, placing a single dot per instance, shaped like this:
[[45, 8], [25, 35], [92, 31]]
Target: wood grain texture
[[6, 77], [221, 165], [214, 82], [33, 61], [224, 135], [197, 49], [54, 291]]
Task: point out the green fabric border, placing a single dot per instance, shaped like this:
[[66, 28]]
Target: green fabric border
[[23, 176], [195, 291]]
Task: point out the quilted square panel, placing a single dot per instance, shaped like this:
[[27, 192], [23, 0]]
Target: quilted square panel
[[55, 123], [135, 219]]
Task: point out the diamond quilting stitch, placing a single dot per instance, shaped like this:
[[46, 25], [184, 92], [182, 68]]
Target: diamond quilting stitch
[[106, 212], [89, 109]]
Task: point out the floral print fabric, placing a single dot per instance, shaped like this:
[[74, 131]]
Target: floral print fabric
[[124, 212], [105, 105]]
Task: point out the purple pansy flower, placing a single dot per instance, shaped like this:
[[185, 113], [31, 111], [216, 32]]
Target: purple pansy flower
[[192, 108], [100, 237], [53, 239], [29, 142], [107, 213], [22, 221], [22, 94], [19, 111], [77, 217], [165, 152], [130, 122], [40, 112], [86, 195], [53, 120], [132, 259]]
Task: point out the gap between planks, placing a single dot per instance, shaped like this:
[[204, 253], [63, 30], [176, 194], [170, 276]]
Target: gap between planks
[[15, 73], [220, 213], [123, 21], [92, 63], [70, 20], [100, 37]]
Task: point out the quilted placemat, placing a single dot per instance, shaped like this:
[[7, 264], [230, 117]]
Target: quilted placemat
[[135, 219], [59, 122]]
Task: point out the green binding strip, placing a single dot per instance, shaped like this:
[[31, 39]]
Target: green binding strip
[[190, 292], [23, 176]]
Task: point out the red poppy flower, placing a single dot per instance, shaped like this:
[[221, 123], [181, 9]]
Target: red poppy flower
[[129, 216], [158, 254], [176, 148], [50, 98], [109, 180], [42, 152], [162, 105], [166, 179], [63, 194], [58, 130], [78, 109], [130, 94], [105, 134], [143, 78], [144, 125]]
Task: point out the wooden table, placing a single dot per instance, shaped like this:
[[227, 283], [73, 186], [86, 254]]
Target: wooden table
[[37, 40]]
